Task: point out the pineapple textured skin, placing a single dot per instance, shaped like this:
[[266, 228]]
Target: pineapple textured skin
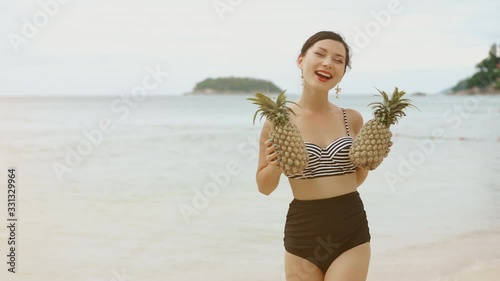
[[291, 148], [369, 146]]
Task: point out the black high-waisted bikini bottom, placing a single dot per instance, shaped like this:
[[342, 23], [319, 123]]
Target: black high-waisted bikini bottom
[[321, 230]]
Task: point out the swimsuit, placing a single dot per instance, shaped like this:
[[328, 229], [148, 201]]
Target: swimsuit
[[330, 161], [321, 230]]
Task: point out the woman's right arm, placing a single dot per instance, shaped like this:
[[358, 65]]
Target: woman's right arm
[[268, 172]]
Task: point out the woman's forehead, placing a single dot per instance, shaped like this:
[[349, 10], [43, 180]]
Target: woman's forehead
[[330, 46]]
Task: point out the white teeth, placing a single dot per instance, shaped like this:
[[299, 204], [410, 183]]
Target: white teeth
[[324, 74]]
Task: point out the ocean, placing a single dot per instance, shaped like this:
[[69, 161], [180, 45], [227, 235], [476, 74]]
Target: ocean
[[164, 189]]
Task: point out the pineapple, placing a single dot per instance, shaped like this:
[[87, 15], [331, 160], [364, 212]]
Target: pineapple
[[284, 134], [370, 146]]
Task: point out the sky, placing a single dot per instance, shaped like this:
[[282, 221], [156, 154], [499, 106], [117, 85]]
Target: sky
[[76, 47]]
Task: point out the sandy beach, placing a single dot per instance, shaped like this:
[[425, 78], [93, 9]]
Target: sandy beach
[[485, 272], [468, 257]]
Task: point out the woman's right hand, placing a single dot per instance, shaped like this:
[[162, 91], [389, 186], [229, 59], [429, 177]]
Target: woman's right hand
[[268, 172], [272, 156]]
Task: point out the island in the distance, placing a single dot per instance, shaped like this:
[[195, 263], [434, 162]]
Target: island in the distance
[[486, 80], [233, 85]]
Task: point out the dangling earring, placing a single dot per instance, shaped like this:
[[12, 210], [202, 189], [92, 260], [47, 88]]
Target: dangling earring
[[302, 78], [337, 91]]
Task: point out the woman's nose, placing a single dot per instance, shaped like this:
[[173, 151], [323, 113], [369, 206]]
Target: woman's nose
[[327, 63]]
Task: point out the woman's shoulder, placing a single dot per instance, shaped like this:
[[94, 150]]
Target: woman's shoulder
[[293, 105], [296, 110], [354, 117], [352, 112]]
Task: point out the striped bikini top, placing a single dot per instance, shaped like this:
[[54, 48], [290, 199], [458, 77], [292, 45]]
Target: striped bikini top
[[330, 161]]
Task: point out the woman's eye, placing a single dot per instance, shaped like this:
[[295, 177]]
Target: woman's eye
[[339, 61], [319, 54]]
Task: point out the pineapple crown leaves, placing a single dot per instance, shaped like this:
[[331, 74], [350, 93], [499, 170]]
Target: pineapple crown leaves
[[390, 110], [276, 111]]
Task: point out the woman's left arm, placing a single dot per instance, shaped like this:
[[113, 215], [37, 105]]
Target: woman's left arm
[[361, 175]]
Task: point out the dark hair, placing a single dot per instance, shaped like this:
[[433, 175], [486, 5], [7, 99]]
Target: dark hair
[[322, 35]]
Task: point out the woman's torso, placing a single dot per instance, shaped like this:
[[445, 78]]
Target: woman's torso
[[321, 129]]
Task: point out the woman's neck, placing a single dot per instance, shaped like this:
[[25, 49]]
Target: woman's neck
[[314, 100]]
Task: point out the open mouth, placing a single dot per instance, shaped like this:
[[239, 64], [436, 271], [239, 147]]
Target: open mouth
[[323, 76]]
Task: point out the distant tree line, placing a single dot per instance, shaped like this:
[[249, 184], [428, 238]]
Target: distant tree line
[[230, 84], [488, 73]]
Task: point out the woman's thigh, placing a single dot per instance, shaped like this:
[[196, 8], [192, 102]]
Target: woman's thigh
[[300, 269], [352, 265]]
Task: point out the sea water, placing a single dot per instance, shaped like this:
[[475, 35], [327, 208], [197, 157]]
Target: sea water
[[164, 189]]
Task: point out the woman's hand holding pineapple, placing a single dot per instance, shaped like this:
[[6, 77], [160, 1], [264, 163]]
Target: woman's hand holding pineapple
[[272, 156]]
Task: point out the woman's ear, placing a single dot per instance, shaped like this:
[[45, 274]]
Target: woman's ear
[[299, 62]]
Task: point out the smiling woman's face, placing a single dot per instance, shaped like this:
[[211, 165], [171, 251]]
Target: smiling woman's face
[[323, 66]]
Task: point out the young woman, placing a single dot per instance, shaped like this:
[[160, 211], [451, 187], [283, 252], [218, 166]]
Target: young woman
[[326, 231]]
